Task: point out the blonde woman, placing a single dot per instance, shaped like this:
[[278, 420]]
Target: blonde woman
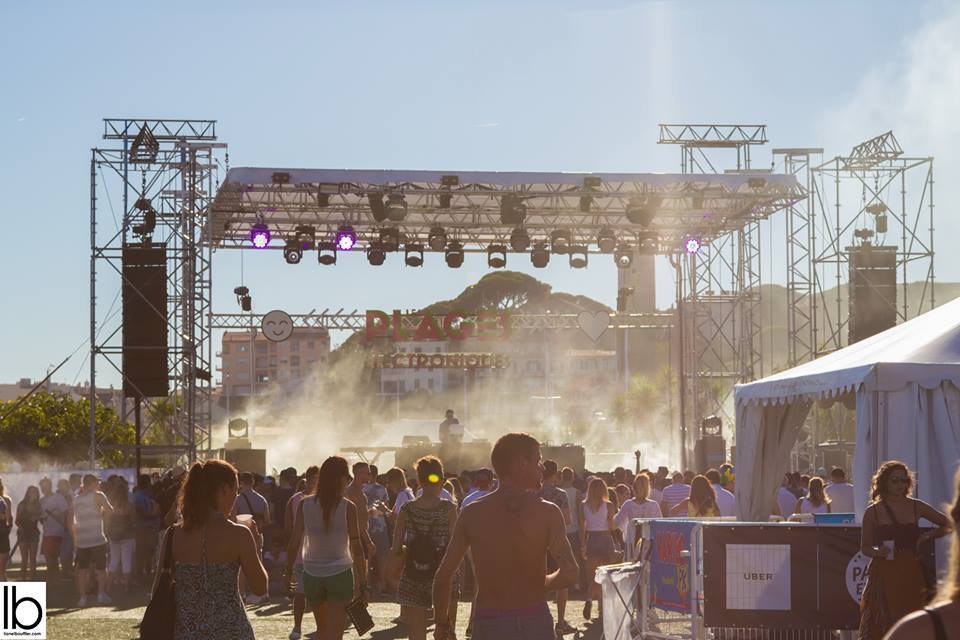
[[596, 535]]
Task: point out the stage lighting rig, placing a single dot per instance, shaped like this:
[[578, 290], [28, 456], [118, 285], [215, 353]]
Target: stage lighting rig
[[606, 240], [377, 208], [396, 207], [454, 255], [692, 245], [306, 236], [519, 239], [437, 239], [497, 256], [623, 256], [376, 254], [243, 297], [259, 236], [540, 256], [293, 251], [149, 218], [641, 209], [346, 238], [513, 210], [413, 255], [390, 238], [326, 253], [560, 240], [578, 256]]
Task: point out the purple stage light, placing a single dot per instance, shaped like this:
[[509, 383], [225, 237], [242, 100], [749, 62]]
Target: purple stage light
[[692, 245], [346, 238], [259, 236]]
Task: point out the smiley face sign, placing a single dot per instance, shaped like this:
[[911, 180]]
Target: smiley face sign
[[277, 326]]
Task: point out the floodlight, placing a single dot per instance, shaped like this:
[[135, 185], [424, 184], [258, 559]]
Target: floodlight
[[539, 256], [326, 253], [640, 210], [376, 254], [293, 252], [396, 207], [497, 256], [377, 208], [454, 255], [606, 240], [390, 238], [560, 240], [623, 257], [519, 239], [346, 238], [413, 255], [259, 236], [437, 239], [306, 235], [578, 256]]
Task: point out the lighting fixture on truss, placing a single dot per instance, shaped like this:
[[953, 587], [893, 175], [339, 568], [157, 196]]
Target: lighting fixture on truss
[[326, 253], [377, 208], [346, 238], [519, 239], [578, 256], [692, 245], [437, 239], [390, 238], [259, 235], [376, 254], [243, 297], [293, 251], [641, 209], [396, 207], [413, 255], [497, 256], [606, 240], [513, 210], [623, 256], [560, 240], [540, 255], [454, 255], [149, 224]]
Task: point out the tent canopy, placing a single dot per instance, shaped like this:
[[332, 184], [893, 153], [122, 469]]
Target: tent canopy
[[925, 350], [907, 386]]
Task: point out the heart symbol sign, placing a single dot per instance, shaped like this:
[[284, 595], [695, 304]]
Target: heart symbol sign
[[593, 324]]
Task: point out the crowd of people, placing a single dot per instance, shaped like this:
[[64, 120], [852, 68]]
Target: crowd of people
[[505, 538]]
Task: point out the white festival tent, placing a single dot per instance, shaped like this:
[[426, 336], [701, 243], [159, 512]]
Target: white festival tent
[[905, 383]]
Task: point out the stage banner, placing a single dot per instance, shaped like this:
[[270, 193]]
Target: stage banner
[[669, 567], [759, 575]]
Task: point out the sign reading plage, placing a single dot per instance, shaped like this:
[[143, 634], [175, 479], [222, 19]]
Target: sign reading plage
[[758, 577]]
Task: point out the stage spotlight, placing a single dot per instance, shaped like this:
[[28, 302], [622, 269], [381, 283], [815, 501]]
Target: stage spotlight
[[390, 238], [578, 256], [437, 239], [396, 207], [606, 240], [149, 218], [454, 255], [497, 256], [306, 236], [692, 245], [376, 206], [560, 240], [446, 199], [259, 236], [376, 254], [623, 257], [413, 255], [243, 297], [519, 240], [640, 210], [513, 210], [326, 253], [346, 238], [293, 251], [648, 243], [540, 256]]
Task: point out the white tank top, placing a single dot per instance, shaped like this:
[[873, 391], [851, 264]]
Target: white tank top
[[325, 553], [596, 520], [88, 521]]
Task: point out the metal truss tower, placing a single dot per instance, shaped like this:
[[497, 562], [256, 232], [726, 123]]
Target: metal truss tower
[[158, 181], [718, 287], [877, 196]]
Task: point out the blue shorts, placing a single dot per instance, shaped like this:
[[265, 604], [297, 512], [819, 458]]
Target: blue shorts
[[533, 623]]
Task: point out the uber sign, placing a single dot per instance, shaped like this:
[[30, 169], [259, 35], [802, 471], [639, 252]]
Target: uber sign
[[23, 610], [758, 577]]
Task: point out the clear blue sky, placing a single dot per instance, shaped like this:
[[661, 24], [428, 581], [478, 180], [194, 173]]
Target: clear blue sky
[[525, 85]]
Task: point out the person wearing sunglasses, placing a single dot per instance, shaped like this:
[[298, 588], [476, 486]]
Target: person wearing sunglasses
[[891, 536]]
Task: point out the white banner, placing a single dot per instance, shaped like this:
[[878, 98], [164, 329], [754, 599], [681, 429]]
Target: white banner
[[758, 577]]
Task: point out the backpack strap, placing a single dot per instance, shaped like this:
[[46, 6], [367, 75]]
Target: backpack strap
[[939, 630]]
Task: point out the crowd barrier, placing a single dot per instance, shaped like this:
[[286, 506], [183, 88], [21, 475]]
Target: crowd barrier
[[702, 579]]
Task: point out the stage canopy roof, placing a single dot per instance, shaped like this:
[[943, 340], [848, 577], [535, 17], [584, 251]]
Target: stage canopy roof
[[467, 204]]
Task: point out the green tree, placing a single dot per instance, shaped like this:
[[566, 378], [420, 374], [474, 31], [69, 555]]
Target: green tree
[[57, 427]]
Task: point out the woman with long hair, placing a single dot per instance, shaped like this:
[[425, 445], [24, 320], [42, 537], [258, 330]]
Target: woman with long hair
[[891, 537], [702, 502], [326, 536], [28, 530], [932, 623], [596, 535], [207, 594], [120, 533], [424, 528], [816, 500], [6, 524]]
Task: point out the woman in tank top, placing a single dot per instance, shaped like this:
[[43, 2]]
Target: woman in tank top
[[702, 502], [891, 536], [209, 551], [816, 500], [596, 535], [941, 620], [326, 535]]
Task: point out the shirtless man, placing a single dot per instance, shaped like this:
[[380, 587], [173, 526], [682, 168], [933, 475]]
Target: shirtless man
[[361, 476], [509, 533]]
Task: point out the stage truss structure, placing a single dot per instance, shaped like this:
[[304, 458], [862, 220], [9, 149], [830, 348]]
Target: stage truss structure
[[197, 215], [158, 177]]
